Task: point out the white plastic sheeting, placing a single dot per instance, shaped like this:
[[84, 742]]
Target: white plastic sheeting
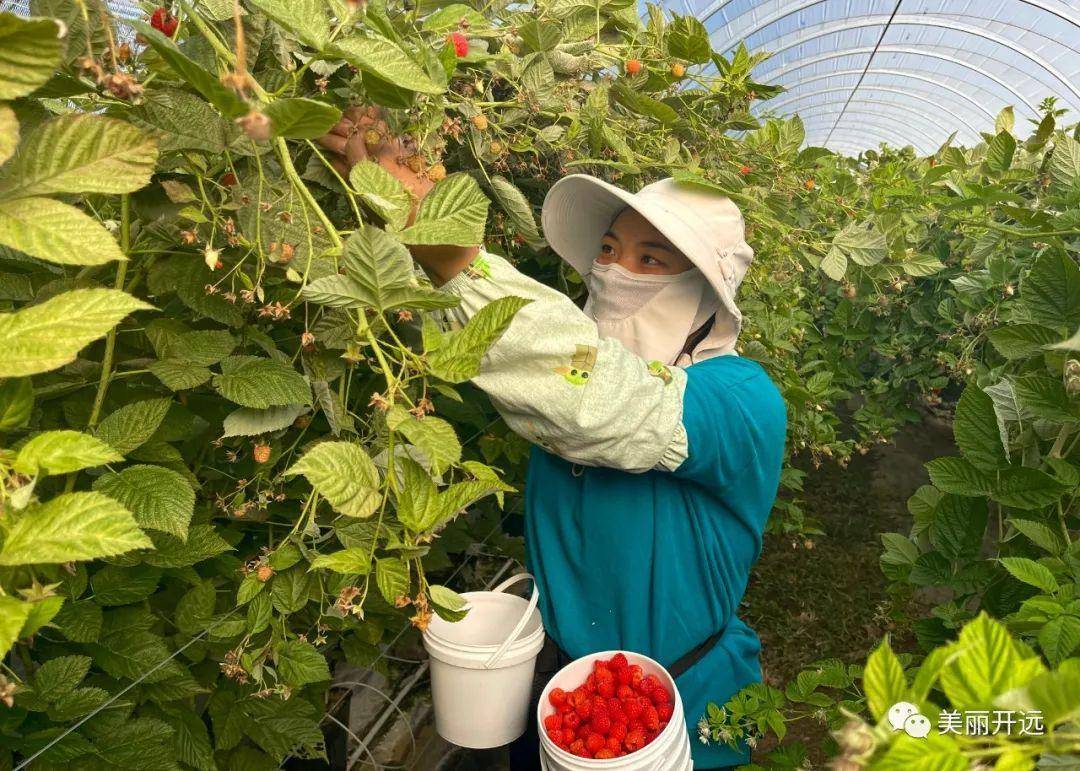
[[861, 72]]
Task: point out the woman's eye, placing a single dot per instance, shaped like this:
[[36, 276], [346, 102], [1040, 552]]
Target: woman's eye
[[606, 249], [647, 260]]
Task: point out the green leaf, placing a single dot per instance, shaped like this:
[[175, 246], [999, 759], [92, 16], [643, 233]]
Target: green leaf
[[433, 435], [55, 232], [80, 153], [453, 213], [203, 543], [133, 424], [300, 663], [48, 335], [392, 577], [386, 60], [958, 526], [381, 190], [922, 265], [518, 208], [988, 663], [250, 422], [201, 347], [80, 621], [1026, 488], [1045, 537], [300, 118], [1046, 398], [343, 474], [61, 452], [958, 476], [1031, 572], [41, 613], [16, 402], [30, 51], [1051, 291], [158, 498], [304, 18], [934, 752], [259, 613], [259, 383], [191, 742], [1065, 160], [119, 585], [181, 121], [377, 263], [976, 429], [179, 375], [13, 612], [1000, 152], [458, 356], [9, 132], [883, 680], [59, 676], [290, 590], [196, 608], [1019, 341], [688, 39], [862, 243], [354, 561], [1056, 694], [72, 526], [1059, 638], [205, 82], [834, 265]]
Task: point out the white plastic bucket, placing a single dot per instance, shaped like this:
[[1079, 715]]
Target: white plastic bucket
[[482, 667], [670, 751]]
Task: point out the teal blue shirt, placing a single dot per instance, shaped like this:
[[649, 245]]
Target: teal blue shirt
[[657, 562]]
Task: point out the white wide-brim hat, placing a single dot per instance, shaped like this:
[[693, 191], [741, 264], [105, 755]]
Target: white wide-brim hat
[[701, 223]]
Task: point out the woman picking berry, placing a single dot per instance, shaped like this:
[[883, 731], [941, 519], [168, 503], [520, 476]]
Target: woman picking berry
[[658, 448]]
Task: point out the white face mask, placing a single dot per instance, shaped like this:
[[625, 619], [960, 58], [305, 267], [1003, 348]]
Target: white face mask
[[652, 315]]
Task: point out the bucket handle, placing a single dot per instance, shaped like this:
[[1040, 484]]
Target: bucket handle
[[497, 655]]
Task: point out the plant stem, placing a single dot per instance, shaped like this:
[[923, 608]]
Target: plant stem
[[303, 192]]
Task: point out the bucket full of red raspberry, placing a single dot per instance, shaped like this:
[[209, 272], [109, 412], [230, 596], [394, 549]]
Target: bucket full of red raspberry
[[613, 710]]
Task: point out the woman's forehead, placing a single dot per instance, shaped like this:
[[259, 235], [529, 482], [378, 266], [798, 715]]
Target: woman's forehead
[[629, 224]]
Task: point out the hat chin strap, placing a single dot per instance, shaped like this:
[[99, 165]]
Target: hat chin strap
[[656, 329]]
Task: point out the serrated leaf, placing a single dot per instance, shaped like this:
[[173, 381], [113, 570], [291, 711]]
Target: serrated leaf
[[453, 213], [59, 676], [300, 118], [48, 335], [1026, 488], [80, 621], [353, 561], [1000, 152], [80, 153], [55, 232], [1051, 291], [433, 435], [958, 525], [834, 265], [976, 429], [158, 498], [1065, 160], [203, 542], [686, 38], [290, 590], [13, 613], [42, 612], [196, 608], [181, 121], [61, 452], [1059, 638], [133, 424], [862, 242], [343, 474], [30, 51], [16, 402], [1019, 341], [259, 383], [958, 476], [989, 663], [250, 422], [70, 527], [517, 206], [382, 191], [883, 680], [119, 585], [202, 80], [300, 663], [1030, 572], [458, 356], [392, 577], [377, 262], [446, 598], [304, 18], [1045, 397], [179, 375], [383, 58], [201, 347]]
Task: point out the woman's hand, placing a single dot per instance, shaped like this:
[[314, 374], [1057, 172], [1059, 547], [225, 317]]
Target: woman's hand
[[362, 134]]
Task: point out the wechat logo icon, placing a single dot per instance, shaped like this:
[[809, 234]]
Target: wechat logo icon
[[904, 716]]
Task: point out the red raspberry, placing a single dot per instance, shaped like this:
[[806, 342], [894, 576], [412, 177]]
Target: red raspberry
[[625, 692], [158, 17], [636, 675], [583, 731], [634, 741], [618, 661], [460, 43], [665, 712], [632, 708], [622, 675], [601, 724], [590, 683], [584, 709], [571, 720], [603, 673], [553, 723], [557, 696], [660, 696], [228, 179], [595, 742], [604, 753], [606, 688], [578, 748], [651, 718], [581, 694], [618, 733], [649, 682]]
